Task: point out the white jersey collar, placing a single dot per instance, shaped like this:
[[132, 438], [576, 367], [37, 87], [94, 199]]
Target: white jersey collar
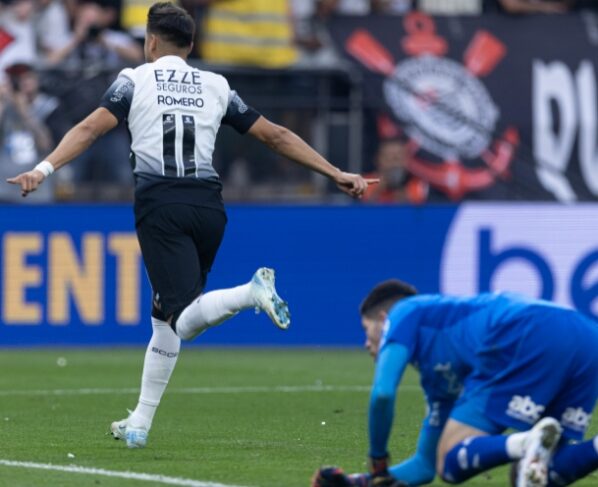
[[170, 59]]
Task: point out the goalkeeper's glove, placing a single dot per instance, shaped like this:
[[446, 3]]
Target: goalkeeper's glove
[[330, 477], [336, 477], [380, 476]]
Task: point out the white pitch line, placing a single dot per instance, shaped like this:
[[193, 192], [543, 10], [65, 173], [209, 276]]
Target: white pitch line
[[195, 390], [162, 479]]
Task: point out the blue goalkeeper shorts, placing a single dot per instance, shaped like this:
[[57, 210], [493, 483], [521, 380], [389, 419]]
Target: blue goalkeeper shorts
[[546, 366]]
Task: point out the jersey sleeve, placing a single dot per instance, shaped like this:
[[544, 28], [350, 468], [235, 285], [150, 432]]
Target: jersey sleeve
[[390, 366], [420, 469], [239, 115], [119, 96]]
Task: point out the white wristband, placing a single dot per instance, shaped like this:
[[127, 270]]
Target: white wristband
[[45, 167]]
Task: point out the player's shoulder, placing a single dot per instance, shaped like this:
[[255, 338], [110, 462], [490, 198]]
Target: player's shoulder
[[206, 74], [405, 308], [414, 309], [141, 71], [417, 301], [129, 74], [214, 78]]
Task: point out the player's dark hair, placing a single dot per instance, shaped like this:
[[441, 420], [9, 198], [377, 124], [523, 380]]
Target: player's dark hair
[[384, 295], [171, 23]]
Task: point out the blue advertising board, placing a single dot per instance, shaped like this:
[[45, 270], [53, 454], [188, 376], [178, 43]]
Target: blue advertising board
[[73, 275]]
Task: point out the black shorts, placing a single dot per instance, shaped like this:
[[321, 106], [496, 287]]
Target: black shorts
[[179, 243]]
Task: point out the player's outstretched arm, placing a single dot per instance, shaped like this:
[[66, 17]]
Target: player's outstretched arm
[[74, 142], [391, 363], [289, 144], [420, 469]]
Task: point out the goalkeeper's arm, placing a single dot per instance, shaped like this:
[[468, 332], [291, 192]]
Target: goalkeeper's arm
[[420, 468]]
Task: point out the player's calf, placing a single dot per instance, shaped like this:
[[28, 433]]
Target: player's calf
[[473, 456]]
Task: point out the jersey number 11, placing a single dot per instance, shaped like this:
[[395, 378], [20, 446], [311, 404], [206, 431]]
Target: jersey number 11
[[172, 141]]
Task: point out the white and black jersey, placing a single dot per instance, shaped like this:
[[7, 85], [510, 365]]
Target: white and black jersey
[[173, 112]]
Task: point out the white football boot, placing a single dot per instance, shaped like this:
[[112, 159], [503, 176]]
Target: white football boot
[[118, 429], [135, 437], [543, 439], [267, 300]]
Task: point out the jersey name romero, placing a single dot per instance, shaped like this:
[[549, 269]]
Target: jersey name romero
[[173, 112]]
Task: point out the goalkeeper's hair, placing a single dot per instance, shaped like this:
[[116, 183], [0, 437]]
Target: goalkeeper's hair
[[171, 23], [384, 295]]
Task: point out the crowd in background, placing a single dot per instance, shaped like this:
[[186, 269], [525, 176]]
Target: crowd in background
[[58, 56]]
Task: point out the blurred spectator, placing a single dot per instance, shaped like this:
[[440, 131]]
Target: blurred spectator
[[451, 7], [52, 25], [396, 184], [344, 7], [364, 7], [24, 135], [249, 33], [394, 7], [97, 51], [311, 35], [95, 41], [42, 106], [17, 30], [535, 6], [103, 170], [198, 10]]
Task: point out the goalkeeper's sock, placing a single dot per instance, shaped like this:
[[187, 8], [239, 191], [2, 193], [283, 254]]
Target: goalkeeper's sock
[[160, 359], [573, 462], [475, 455], [211, 309]]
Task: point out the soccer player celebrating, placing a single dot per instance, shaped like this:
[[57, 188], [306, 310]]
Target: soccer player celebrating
[[173, 112], [486, 363]]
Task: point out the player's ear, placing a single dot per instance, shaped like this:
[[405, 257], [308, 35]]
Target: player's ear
[[190, 49], [152, 42]]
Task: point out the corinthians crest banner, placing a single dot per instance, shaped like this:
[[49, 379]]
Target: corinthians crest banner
[[492, 107]]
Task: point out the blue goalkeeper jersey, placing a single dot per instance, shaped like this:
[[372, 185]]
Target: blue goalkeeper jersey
[[445, 336]]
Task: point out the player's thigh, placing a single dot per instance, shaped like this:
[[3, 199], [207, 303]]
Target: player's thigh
[[454, 432], [574, 404], [207, 229], [170, 258], [513, 392]]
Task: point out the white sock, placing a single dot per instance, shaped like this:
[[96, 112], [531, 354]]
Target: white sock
[[211, 309], [160, 358], [596, 443], [516, 445]]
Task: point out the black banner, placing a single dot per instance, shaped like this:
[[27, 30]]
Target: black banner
[[493, 107]]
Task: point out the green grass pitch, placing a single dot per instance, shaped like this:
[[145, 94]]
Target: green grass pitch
[[242, 417]]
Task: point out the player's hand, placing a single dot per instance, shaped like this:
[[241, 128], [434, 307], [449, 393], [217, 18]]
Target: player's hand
[[29, 181], [386, 481], [330, 477], [353, 184]]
